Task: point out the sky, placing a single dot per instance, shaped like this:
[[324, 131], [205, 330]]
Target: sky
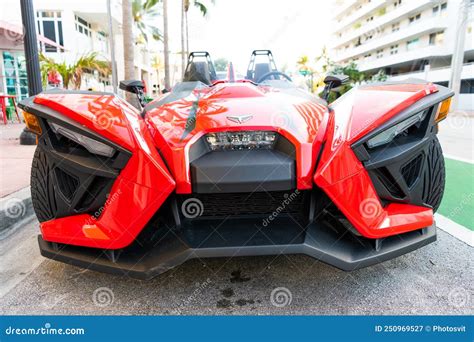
[[234, 28]]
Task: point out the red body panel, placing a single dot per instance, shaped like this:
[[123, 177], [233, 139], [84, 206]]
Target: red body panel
[[342, 176], [145, 182], [135, 196]]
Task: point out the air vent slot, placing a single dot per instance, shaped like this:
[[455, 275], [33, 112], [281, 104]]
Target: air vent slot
[[67, 183], [389, 182], [95, 195], [411, 170]]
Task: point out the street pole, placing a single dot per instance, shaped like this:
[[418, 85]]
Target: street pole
[[32, 61], [31, 47], [165, 45], [112, 48], [458, 53]]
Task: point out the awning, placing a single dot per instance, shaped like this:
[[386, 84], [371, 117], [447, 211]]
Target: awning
[[14, 34]]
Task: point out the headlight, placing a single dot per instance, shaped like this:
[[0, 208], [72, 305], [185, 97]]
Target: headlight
[[246, 140], [91, 145], [389, 134]]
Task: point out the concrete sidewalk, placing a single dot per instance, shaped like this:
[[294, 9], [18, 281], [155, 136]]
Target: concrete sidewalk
[[15, 160]]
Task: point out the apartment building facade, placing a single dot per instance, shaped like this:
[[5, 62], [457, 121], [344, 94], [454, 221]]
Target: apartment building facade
[[76, 28], [405, 39]]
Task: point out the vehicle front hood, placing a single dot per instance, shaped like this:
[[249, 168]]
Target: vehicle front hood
[[183, 114], [180, 118]]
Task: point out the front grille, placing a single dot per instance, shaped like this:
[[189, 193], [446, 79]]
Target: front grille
[[244, 204], [411, 170]]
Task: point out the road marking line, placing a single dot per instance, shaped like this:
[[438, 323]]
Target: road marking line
[[460, 232], [449, 156]]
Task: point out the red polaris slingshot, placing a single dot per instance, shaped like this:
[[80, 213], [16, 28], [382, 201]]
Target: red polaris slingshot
[[236, 167]]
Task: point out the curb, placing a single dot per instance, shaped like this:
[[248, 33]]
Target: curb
[[14, 208], [455, 229]]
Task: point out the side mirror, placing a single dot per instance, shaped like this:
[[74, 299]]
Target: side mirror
[[135, 87], [132, 86], [333, 81]]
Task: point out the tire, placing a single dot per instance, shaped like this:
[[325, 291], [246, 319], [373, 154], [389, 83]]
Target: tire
[[42, 193], [434, 176]]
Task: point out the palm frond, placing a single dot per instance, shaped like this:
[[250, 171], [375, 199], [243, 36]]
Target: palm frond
[[201, 7]]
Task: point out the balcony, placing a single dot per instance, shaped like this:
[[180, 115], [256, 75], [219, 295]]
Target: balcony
[[438, 74], [364, 10], [95, 11], [347, 5], [425, 26], [389, 18], [402, 57]]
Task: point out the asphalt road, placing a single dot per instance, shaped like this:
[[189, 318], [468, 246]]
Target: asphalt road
[[436, 279]]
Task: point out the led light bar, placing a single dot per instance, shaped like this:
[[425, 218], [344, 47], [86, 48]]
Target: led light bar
[[93, 146], [243, 140], [389, 134]]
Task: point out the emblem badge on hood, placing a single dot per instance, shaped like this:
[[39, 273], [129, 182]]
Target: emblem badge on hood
[[240, 119]]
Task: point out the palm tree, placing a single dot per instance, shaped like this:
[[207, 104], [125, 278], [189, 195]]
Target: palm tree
[[86, 63], [186, 4], [144, 16], [128, 46], [165, 44], [72, 74]]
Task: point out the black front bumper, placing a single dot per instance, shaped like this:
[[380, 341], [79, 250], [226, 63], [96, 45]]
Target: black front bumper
[[318, 240]]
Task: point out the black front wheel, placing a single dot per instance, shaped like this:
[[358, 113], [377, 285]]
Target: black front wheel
[[42, 190], [434, 176]]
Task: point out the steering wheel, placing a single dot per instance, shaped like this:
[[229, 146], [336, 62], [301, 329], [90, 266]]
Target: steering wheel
[[273, 73]]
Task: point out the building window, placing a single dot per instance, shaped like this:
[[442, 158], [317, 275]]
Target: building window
[[14, 67], [379, 53], [50, 25], [397, 3], [102, 41], [395, 27], [412, 44], [367, 56], [437, 38], [415, 18], [394, 49], [83, 26], [440, 9], [467, 86]]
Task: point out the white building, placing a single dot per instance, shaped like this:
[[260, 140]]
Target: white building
[[79, 27], [405, 38]]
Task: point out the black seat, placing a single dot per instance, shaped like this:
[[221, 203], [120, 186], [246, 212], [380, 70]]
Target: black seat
[[260, 70], [197, 71]]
